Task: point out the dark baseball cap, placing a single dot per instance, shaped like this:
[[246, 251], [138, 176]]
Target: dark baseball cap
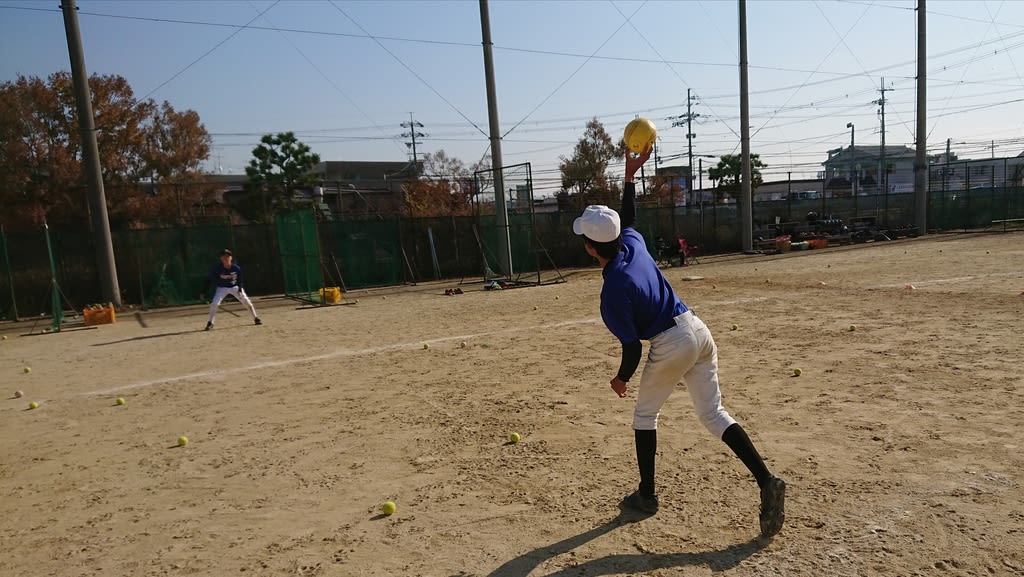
[[225, 252]]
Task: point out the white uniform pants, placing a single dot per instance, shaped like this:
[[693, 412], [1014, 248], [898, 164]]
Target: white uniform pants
[[234, 291], [686, 353]]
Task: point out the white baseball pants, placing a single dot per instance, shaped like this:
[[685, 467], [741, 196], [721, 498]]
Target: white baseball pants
[[237, 292], [686, 353]]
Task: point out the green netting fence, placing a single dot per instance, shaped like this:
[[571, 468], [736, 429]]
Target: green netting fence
[[169, 266]]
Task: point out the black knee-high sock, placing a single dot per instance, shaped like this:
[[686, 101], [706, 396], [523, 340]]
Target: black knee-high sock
[[646, 447], [740, 444]]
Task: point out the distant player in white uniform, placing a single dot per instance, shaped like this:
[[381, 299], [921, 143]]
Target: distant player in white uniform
[[228, 277], [637, 304]]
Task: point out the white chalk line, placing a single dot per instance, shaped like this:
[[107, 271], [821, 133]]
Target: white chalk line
[[946, 280], [333, 355], [398, 346]]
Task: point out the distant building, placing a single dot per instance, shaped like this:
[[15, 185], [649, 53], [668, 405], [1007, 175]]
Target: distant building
[[860, 168]]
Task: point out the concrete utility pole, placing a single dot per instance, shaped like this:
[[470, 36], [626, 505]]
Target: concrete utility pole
[[921, 158], [106, 268], [412, 125], [687, 120], [854, 173], [500, 208], [746, 210], [884, 176]]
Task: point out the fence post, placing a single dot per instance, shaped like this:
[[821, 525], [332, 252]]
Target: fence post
[[10, 273]]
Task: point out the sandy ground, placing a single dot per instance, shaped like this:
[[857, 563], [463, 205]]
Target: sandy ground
[[901, 441]]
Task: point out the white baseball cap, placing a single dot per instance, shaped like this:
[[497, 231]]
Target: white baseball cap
[[598, 223]]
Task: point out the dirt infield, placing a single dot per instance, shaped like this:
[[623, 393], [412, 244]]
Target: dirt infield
[[901, 440]]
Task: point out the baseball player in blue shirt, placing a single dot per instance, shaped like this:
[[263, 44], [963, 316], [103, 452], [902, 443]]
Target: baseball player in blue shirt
[[228, 277], [637, 303]]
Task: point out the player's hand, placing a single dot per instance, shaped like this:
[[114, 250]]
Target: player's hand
[[633, 164], [619, 386]]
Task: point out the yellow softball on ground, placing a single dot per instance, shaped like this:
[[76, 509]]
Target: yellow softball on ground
[[120, 401], [388, 508], [853, 328], [426, 346], [735, 327], [515, 437], [28, 370], [182, 441], [797, 372], [33, 405], [5, 337]]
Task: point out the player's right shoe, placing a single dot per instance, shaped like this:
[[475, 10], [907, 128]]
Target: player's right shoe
[[773, 506], [643, 503], [258, 321], [209, 325]]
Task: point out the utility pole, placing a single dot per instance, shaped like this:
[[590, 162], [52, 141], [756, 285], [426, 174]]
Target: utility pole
[[885, 170], [412, 125], [920, 156], [500, 208], [687, 119], [746, 208], [105, 264]]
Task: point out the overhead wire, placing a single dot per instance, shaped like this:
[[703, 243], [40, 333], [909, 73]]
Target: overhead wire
[[407, 67], [210, 51], [328, 79], [574, 72]]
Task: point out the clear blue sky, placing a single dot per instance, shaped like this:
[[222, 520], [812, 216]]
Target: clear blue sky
[[308, 66]]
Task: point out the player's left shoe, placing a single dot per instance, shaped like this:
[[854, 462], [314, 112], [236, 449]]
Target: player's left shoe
[[773, 506], [258, 321]]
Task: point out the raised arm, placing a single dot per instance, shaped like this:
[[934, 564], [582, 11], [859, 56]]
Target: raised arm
[[627, 215]]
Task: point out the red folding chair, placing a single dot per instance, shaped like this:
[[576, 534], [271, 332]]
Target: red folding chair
[[688, 254]]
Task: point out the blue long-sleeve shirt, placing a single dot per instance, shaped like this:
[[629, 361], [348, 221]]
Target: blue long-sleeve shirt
[[226, 277]]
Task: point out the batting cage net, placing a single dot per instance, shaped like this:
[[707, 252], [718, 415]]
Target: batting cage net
[[299, 246], [532, 262]]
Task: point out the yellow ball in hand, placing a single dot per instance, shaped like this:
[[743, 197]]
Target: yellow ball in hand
[[640, 133]]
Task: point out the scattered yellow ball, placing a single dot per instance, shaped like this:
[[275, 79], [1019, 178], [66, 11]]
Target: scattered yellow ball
[[426, 346], [5, 337], [388, 508], [182, 441], [735, 327], [515, 437], [119, 401], [33, 405], [853, 328], [28, 370], [797, 372]]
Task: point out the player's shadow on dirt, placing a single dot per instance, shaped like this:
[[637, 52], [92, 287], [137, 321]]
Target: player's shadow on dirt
[[156, 336], [717, 560]]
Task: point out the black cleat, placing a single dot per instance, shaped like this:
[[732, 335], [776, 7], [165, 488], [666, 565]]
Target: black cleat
[[209, 326], [258, 321], [773, 506], [643, 503]]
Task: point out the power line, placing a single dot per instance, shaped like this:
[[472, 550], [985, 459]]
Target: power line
[[210, 51], [574, 72], [407, 67], [327, 78]]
